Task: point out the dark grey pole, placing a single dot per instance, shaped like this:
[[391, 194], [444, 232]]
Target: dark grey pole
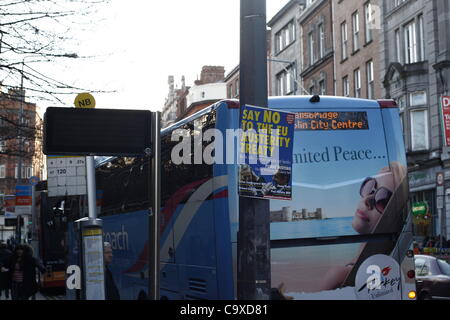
[[155, 200], [253, 274]]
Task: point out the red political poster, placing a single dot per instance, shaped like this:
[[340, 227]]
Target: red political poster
[[446, 118]]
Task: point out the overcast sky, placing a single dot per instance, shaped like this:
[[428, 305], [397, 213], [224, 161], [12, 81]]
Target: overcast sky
[[139, 43]]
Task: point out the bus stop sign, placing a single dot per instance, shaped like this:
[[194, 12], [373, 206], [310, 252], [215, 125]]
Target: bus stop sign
[[97, 132]]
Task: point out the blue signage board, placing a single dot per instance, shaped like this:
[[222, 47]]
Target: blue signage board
[[265, 153], [23, 191]]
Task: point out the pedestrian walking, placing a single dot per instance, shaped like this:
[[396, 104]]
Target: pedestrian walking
[[23, 273], [5, 261], [111, 291], [10, 245]]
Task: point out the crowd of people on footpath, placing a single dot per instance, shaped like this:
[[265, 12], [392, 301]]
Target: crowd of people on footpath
[[18, 271]]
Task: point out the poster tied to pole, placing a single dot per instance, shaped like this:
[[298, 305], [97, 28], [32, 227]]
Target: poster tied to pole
[[265, 153]]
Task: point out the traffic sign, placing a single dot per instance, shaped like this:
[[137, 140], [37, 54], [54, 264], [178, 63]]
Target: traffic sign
[[33, 180], [84, 100]]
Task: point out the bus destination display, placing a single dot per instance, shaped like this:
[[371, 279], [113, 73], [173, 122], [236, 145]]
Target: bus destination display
[[331, 121]]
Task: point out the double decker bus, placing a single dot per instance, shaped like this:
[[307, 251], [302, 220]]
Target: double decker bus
[[49, 234], [345, 234]]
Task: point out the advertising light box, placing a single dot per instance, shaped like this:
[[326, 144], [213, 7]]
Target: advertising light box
[[78, 131]]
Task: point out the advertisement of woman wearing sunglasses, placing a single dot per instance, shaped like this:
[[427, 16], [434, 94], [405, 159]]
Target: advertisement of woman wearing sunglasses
[[375, 193]]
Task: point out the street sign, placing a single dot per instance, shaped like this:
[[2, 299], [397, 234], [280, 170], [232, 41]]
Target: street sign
[[419, 208], [84, 100], [23, 199], [96, 132], [33, 180]]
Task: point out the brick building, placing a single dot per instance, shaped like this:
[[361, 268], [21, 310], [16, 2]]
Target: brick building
[[357, 48], [316, 34], [31, 130]]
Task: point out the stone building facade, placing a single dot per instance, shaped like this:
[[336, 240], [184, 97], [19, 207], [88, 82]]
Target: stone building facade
[[284, 58], [185, 101], [415, 70]]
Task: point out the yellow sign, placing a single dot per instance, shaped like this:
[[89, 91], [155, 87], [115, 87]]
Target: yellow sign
[[92, 232], [84, 100]]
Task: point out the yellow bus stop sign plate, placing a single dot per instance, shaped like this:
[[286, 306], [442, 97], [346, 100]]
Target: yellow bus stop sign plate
[[84, 100]]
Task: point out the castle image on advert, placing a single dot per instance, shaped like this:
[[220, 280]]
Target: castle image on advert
[[286, 214]]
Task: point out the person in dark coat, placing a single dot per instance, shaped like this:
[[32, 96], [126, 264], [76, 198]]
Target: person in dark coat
[[23, 273], [5, 261], [111, 291]]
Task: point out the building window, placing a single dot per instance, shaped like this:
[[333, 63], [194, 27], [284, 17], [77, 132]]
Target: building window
[[285, 37], [421, 38], [344, 40], [357, 76], [370, 81], [322, 87], [398, 2], [410, 43], [398, 49], [345, 87], [419, 130], [27, 172], [368, 25], [418, 98], [2, 145], [312, 58], [401, 102], [2, 171], [321, 41], [285, 82], [355, 20]]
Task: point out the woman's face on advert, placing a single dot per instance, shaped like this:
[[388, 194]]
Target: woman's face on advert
[[375, 193]]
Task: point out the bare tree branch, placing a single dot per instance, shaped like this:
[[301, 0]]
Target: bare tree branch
[[34, 35]]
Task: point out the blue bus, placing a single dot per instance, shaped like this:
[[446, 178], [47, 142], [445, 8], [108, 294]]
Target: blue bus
[[345, 234]]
